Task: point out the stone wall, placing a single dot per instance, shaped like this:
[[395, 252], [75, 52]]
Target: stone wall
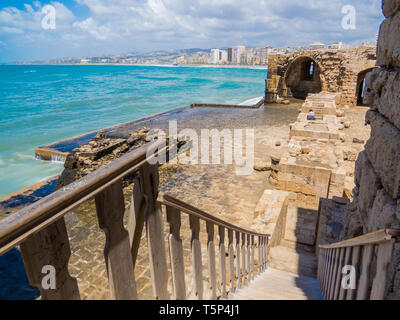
[[334, 71], [376, 203]]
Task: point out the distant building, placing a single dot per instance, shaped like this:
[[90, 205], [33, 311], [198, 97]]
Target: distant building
[[238, 51], [317, 46], [263, 54], [215, 56], [223, 56], [230, 55], [337, 45]]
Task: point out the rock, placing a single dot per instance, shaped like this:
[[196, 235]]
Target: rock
[[383, 150], [280, 100], [383, 213], [350, 155], [356, 140], [275, 159], [340, 113], [347, 124], [286, 102], [388, 51], [277, 143], [390, 7], [100, 151], [262, 165], [383, 93], [368, 183]]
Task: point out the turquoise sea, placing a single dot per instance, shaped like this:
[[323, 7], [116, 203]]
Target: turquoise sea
[[44, 104]]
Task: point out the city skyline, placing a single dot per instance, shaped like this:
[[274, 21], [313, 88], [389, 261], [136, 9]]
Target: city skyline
[[105, 27]]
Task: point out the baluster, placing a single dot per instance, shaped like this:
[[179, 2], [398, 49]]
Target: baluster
[[324, 255], [328, 273], [338, 280], [332, 280], [355, 259], [363, 285], [384, 257], [50, 247], [176, 253], [321, 262], [197, 267], [110, 207], [260, 261], [252, 257], [154, 231], [244, 259], [212, 281], [231, 261], [346, 262], [238, 284], [248, 266], [222, 261], [136, 218], [264, 248], [266, 253]]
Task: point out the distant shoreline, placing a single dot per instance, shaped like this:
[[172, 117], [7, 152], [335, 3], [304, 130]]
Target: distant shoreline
[[148, 65]]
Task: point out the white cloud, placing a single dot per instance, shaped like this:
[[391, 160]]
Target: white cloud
[[142, 25]]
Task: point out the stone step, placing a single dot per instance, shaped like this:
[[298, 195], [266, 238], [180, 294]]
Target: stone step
[[289, 260], [279, 285]]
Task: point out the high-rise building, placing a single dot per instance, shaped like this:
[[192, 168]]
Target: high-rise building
[[223, 56], [264, 52], [230, 55], [238, 51], [215, 56]]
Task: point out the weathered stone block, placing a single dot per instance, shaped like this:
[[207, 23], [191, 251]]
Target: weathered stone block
[[388, 52], [368, 183], [390, 7], [383, 93], [383, 213], [383, 150]]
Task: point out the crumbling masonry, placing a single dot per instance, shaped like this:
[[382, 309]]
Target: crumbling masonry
[[299, 74]]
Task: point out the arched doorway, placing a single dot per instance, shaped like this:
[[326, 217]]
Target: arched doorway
[[361, 86], [303, 77]]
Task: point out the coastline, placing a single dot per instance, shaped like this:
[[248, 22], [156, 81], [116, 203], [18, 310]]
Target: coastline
[[258, 67]]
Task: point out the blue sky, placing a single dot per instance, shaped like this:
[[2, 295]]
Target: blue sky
[[97, 27]]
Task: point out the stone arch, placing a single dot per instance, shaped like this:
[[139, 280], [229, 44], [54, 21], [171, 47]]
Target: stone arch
[[303, 76], [361, 86]]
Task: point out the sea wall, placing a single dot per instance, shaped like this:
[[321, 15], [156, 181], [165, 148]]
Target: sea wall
[[376, 203]]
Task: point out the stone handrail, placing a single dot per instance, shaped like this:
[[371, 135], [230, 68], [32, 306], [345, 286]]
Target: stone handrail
[[41, 233], [357, 253]]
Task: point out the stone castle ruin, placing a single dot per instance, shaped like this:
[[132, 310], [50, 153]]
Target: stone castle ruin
[[299, 74]]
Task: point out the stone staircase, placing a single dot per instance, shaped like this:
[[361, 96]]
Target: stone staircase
[[293, 226], [280, 285], [294, 260], [319, 111]]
